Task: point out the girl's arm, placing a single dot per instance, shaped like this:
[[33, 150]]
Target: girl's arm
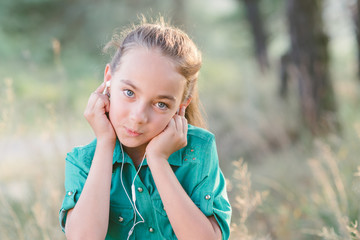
[[185, 217], [90, 216]]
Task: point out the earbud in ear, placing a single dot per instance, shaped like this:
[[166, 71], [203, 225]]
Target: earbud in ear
[[107, 85]]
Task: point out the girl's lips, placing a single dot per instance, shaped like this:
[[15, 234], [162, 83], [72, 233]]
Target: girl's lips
[[131, 132]]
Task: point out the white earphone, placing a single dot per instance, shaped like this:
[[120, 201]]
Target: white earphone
[[107, 85], [133, 193]]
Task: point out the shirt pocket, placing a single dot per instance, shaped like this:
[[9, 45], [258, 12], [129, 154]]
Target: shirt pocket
[[121, 220], [162, 220]]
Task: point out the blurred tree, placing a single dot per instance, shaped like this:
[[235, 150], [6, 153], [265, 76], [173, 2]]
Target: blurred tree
[[285, 67], [256, 24], [36, 16], [356, 17], [88, 22], [309, 55], [41, 21]]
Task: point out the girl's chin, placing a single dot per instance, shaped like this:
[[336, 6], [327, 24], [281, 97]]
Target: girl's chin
[[125, 144], [132, 143]]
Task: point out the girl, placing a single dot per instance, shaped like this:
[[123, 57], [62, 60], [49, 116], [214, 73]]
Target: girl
[[148, 174]]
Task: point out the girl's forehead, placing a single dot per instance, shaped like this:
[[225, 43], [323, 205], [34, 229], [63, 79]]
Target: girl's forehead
[[143, 51], [142, 60], [148, 69]]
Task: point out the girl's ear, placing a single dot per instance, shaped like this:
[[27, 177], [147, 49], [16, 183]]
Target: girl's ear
[[107, 73], [186, 103]]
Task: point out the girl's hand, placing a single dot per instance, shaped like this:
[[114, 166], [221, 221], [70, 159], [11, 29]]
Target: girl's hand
[[96, 114], [173, 138]]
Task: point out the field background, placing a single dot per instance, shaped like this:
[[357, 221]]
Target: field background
[[283, 183]]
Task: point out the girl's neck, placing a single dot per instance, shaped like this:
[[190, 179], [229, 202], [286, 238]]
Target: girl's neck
[[136, 154]]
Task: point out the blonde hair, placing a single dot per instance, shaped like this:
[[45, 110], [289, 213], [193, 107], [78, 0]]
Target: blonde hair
[[173, 43]]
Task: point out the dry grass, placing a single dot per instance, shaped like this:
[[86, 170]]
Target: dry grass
[[31, 173], [333, 195], [31, 186], [30, 200], [246, 202]]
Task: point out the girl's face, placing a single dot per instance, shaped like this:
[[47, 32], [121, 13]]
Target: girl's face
[[146, 91]]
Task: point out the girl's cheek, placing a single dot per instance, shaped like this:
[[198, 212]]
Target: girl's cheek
[[165, 122]]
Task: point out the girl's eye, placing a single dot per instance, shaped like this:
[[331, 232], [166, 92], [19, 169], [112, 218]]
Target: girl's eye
[[128, 93], [162, 105]]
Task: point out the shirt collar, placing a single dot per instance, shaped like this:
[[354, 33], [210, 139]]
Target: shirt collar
[[118, 155], [175, 159]]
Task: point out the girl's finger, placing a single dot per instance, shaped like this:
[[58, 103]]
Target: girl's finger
[[185, 125], [101, 101], [171, 124], [101, 88], [182, 111], [107, 103], [178, 123], [97, 102], [94, 96], [92, 100]]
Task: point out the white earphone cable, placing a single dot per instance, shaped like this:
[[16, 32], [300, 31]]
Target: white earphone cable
[[133, 193]]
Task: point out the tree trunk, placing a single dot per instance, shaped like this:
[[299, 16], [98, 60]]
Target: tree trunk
[[356, 15], [258, 32], [309, 54]]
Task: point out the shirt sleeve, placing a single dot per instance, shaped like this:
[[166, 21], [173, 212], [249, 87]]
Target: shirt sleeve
[[210, 194], [76, 172]]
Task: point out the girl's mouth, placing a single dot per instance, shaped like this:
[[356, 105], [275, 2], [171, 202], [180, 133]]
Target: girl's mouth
[[132, 133]]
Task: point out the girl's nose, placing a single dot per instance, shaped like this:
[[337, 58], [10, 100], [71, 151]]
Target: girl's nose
[[139, 113]]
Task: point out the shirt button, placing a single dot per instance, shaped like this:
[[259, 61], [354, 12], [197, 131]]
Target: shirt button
[[140, 189], [121, 219], [207, 197], [70, 193], [151, 230]]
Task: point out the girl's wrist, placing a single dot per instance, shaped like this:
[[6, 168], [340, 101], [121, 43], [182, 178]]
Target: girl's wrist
[[156, 160], [106, 142]]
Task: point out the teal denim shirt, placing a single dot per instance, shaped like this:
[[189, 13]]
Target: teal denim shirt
[[196, 166]]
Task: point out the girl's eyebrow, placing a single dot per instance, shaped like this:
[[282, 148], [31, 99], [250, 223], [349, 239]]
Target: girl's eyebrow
[[130, 83], [171, 98]]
